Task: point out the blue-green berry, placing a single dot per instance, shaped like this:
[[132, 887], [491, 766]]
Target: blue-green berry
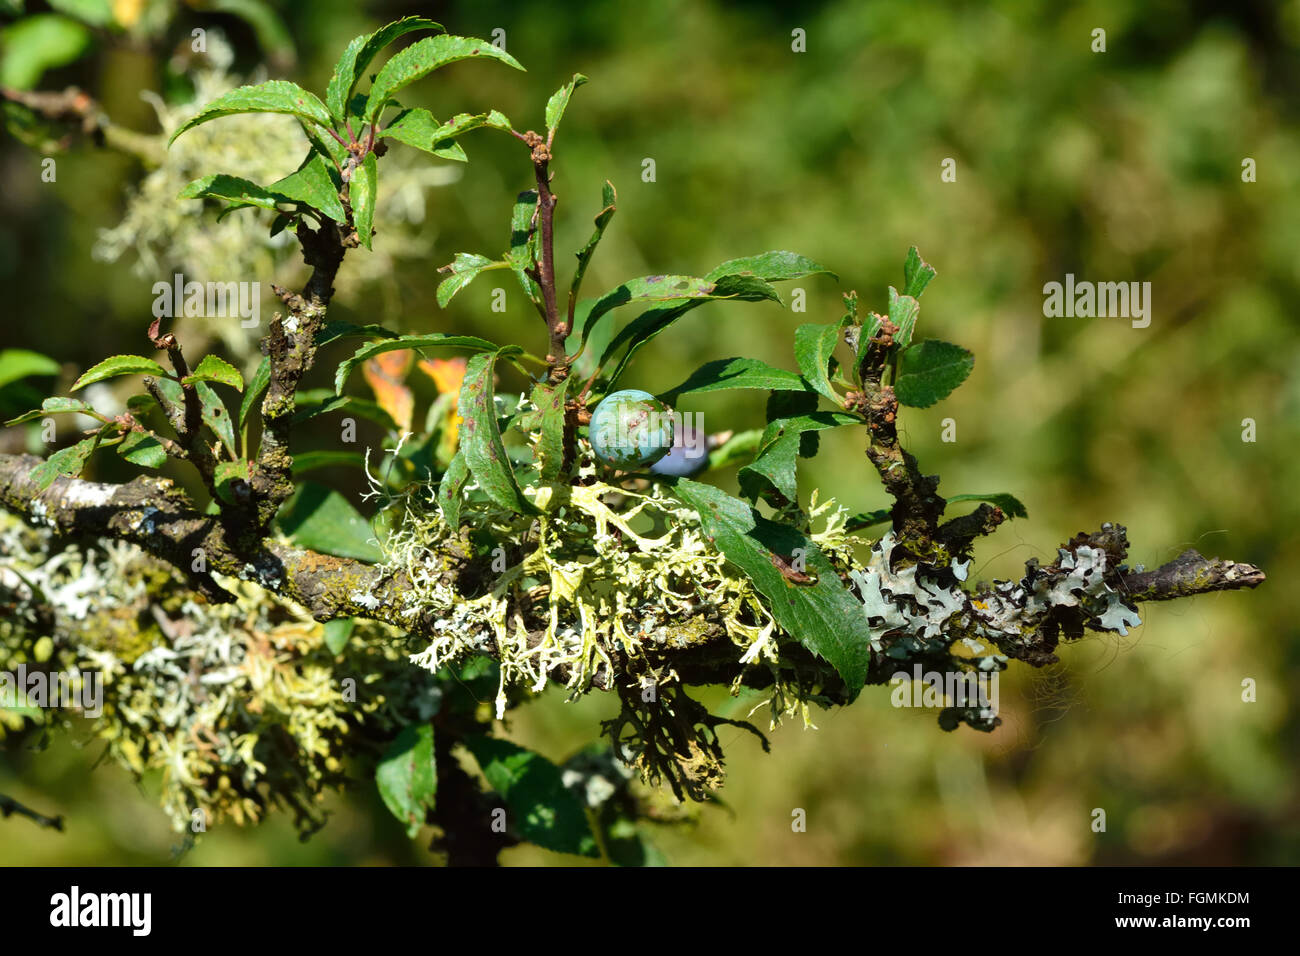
[[630, 429]]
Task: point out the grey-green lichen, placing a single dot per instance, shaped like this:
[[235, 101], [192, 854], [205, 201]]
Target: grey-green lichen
[[241, 706]]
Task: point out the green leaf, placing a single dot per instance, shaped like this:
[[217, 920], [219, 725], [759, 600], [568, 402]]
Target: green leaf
[[728, 373], [337, 633], [314, 185], [408, 776], [930, 371], [321, 519], [869, 518], [609, 198], [823, 615], [140, 448], [241, 192], [747, 279], [903, 310], [53, 406], [273, 96], [480, 437], [814, 348], [216, 416], [97, 13], [464, 270], [1008, 503], [118, 365], [418, 128], [215, 369], [20, 363], [774, 467], [256, 388], [450, 488], [775, 266], [679, 291], [417, 342], [364, 186], [917, 274], [550, 450], [65, 461], [305, 461], [225, 475], [523, 244], [559, 102], [422, 58], [346, 330], [359, 54], [314, 402], [542, 810], [464, 122], [739, 447], [38, 43]]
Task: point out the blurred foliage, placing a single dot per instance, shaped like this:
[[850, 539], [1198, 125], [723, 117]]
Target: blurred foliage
[[1116, 166]]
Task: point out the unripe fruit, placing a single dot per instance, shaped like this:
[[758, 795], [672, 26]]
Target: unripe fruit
[[630, 428], [688, 456]]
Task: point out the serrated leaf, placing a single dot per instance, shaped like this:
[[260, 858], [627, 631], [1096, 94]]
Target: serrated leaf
[[550, 400], [314, 185], [422, 58], [903, 310], [480, 436], [775, 266], [118, 365], [362, 193], [559, 101], [541, 809], [464, 270], [814, 349], [273, 96], [216, 416], [450, 488], [359, 54], [1010, 504], [16, 364], [722, 374], [418, 128], [140, 448], [231, 189], [929, 371], [407, 776], [256, 388], [215, 369], [57, 405], [65, 461], [321, 519], [464, 122], [917, 274], [417, 342], [822, 615], [609, 199]]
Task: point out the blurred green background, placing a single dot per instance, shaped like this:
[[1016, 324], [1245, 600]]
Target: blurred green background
[[1117, 166]]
